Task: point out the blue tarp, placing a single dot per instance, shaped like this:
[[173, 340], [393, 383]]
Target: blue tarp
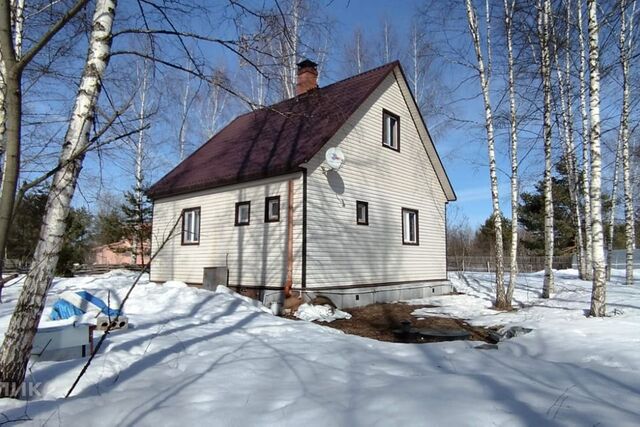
[[64, 309]]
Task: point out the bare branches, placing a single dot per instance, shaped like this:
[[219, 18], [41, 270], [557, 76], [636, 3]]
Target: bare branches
[[55, 28]]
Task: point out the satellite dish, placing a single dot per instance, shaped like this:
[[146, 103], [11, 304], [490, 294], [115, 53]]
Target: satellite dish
[[334, 157]]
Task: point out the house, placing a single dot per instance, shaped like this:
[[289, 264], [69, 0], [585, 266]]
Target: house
[[260, 201], [119, 253]]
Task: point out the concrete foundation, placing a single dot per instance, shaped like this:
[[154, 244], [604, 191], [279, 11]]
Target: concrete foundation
[[358, 297]]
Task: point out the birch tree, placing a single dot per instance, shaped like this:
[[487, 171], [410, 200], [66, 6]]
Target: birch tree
[[612, 211], [626, 44], [598, 292], [544, 12], [12, 65], [18, 340], [586, 270], [501, 301], [513, 134], [566, 112], [136, 245]]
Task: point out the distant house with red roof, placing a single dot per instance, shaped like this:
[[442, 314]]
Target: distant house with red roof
[[338, 191]]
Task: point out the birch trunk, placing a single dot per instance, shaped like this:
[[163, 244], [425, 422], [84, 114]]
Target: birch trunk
[[544, 13], [139, 178], [598, 293], [513, 122], [564, 84], [290, 50], [11, 126], [629, 220], [612, 212], [18, 340], [501, 301], [182, 133], [586, 270]]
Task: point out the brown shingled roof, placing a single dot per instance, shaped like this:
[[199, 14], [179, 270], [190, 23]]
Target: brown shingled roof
[[271, 141]]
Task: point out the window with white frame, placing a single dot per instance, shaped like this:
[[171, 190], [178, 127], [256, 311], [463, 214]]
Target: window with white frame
[[362, 213], [410, 228], [272, 209], [191, 226], [243, 213], [390, 130]]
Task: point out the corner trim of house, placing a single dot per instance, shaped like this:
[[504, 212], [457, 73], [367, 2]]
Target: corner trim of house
[[303, 283]]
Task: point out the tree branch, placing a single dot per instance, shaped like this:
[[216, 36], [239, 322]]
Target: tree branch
[[40, 44]]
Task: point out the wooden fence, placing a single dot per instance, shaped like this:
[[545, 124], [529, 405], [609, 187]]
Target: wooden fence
[[526, 264], [89, 269], [82, 270]]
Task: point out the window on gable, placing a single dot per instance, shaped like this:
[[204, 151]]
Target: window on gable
[[272, 209], [191, 226], [243, 213], [390, 130], [410, 228], [362, 213]]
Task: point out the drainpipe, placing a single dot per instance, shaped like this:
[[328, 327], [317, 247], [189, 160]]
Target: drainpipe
[[289, 281]]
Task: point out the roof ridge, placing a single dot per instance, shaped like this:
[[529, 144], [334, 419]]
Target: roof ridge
[[372, 70]]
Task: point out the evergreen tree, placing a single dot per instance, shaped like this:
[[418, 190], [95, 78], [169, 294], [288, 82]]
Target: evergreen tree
[[25, 227], [137, 222]]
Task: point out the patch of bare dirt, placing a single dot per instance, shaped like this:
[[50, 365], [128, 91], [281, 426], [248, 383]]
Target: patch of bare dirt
[[379, 321]]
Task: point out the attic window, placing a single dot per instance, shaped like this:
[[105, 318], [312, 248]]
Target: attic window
[[191, 226], [243, 213], [362, 213], [390, 130], [272, 209], [410, 228]]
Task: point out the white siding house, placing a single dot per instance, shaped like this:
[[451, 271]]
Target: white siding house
[[372, 230]]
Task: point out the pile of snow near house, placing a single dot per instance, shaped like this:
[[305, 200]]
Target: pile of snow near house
[[193, 357], [320, 313]]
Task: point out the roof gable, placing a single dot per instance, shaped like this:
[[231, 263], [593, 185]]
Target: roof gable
[[274, 140], [425, 136]]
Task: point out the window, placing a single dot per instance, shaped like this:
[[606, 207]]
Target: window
[[390, 130], [243, 212], [410, 228], [362, 213], [191, 226], [272, 209]]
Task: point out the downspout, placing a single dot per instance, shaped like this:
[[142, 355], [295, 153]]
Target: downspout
[[289, 280]]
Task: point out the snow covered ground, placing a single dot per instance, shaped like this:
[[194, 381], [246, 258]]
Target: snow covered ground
[[194, 357]]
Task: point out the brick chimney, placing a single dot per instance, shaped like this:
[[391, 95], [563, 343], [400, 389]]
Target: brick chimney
[[307, 76]]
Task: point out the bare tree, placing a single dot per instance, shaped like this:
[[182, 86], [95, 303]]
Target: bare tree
[[626, 46], [614, 204], [586, 270], [513, 134], [501, 301], [18, 341], [13, 63], [137, 245], [544, 12], [598, 293], [566, 112]]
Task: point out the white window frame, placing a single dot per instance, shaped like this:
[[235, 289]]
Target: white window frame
[[410, 227], [239, 207], [191, 226], [390, 130], [365, 205], [269, 216]]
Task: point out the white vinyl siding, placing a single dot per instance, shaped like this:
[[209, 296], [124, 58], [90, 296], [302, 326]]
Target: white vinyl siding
[[339, 251], [255, 254]]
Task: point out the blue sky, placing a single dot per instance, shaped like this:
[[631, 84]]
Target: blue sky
[[461, 142]]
